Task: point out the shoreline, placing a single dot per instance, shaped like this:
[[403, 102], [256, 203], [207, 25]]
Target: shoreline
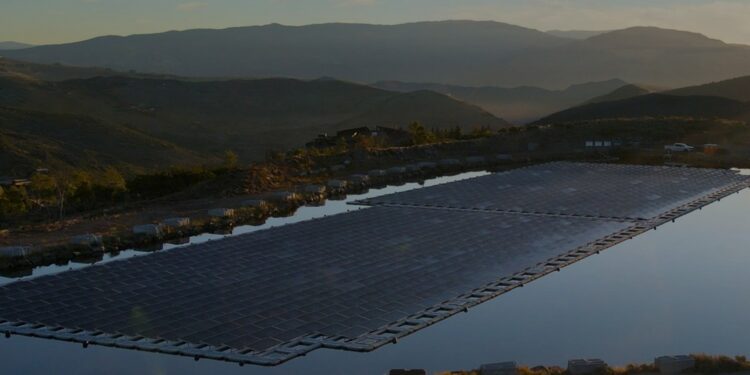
[[701, 364], [112, 244]]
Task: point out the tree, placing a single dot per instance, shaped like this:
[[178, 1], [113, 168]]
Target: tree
[[342, 145], [4, 204], [481, 132], [14, 200], [81, 187], [113, 183], [51, 190], [420, 135], [230, 160], [366, 141], [455, 133], [43, 190]]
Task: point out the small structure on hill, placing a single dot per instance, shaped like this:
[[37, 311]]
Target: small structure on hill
[[674, 364], [500, 368], [394, 171], [86, 240], [177, 222], [377, 173], [407, 372], [315, 189], [393, 136], [151, 230], [254, 203], [12, 181], [384, 134], [221, 212], [712, 149], [14, 251], [586, 366], [354, 132], [336, 184], [359, 178], [281, 196]]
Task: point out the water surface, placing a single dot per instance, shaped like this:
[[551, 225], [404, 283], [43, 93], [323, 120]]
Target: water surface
[[683, 288]]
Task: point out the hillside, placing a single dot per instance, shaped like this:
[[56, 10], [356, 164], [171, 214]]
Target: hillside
[[433, 109], [250, 117], [464, 53], [58, 72], [518, 104], [8, 45], [32, 139], [655, 105], [576, 34], [624, 92], [649, 38], [737, 89], [663, 58], [423, 51]]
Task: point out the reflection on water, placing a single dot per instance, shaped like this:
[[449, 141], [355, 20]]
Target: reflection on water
[[679, 289]]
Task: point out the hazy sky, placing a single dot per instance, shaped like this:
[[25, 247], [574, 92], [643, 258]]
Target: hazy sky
[[55, 21]]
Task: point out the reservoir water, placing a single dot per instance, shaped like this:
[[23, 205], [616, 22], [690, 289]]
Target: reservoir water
[[680, 289]]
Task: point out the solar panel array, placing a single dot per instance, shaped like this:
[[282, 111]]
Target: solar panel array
[[353, 280], [343, 275], [629, 192]]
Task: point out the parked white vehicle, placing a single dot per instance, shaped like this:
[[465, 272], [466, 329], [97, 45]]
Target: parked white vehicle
[[679, 147]]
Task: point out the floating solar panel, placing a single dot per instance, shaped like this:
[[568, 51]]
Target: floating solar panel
[[359, 280], [630, 192]]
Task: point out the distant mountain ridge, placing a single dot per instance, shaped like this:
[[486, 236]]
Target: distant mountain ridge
[[624, 92], [736, 88], [728, 99], [518, 104], [576, 34], [58, 72], [9, 45], [655, 105], [642, 37], [358, 52], [198, 120], [466, 53]]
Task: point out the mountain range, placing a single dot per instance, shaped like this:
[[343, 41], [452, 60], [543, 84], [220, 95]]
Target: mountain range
[[623, 92], [518, 104], [65, 121], [729, 99], [467, 53], [8, 45], [576, 34]]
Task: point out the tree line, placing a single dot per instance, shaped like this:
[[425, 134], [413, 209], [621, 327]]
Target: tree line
[[53, 195]]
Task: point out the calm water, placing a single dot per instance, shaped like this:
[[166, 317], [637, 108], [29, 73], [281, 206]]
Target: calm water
[[683, 288]]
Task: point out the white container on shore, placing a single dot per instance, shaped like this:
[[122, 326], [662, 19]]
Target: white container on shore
[[152, 230]]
